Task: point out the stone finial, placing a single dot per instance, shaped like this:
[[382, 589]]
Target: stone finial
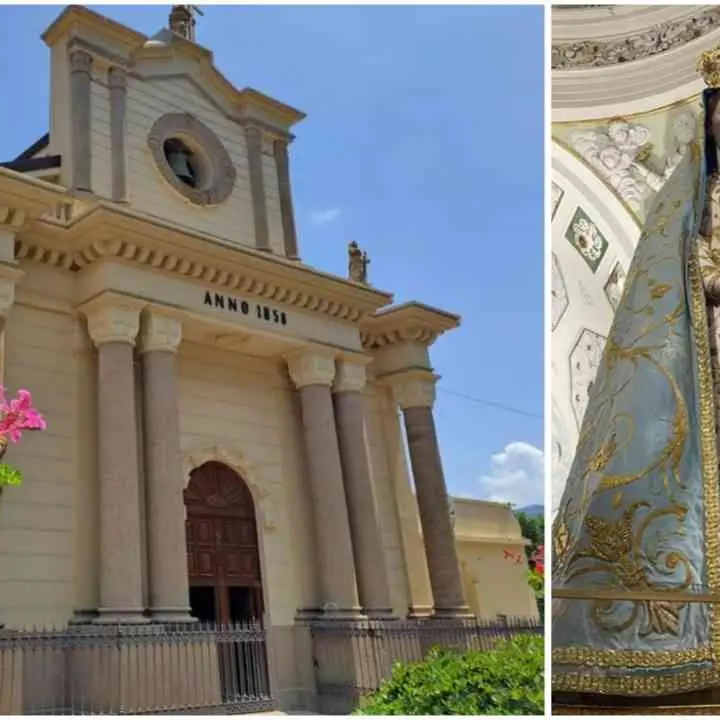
[[358, 262], [182, 20]]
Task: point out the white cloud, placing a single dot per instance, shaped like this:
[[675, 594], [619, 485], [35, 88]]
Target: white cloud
[[516, 475], [325, 217]]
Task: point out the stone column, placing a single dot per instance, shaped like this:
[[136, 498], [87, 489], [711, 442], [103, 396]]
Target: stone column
[[80, 68], [282, 166], [415, 393], [313, 374], [117, 82], [254, 142], [167, 555], [368, 549], [113, 329]]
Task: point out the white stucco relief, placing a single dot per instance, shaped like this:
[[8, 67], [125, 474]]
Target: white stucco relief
[[621, 153], [614, 286], [584, 363]]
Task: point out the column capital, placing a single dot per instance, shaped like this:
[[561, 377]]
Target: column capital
[[350, 374], [80, 61], [280, 148], [311, 367], [117, 77], [253, 132], [112, 322], [413, 389], [160, 333]]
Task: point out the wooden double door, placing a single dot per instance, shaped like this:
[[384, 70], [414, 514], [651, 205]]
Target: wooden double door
[[222, 547]]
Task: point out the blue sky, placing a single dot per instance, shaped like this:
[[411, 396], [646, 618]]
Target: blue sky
[[423, 142]]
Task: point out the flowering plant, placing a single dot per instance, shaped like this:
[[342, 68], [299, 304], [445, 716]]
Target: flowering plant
[[16, 416], [536, 576], [536, 572]]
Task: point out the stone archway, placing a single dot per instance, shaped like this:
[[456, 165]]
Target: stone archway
[[224, 571]]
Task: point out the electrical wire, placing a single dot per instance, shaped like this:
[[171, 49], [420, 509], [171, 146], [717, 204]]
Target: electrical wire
[[490, 403]]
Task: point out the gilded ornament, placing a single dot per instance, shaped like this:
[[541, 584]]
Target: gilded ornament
[[709, 67]]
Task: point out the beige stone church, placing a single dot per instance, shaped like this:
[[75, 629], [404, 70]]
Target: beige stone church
[[226, 424]]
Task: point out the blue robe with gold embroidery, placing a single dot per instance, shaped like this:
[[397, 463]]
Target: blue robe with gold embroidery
[[636, 542]]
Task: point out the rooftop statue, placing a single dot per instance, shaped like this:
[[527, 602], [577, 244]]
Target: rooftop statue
[[636, 542], [358, 262]]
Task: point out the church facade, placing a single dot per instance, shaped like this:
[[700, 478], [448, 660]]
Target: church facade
[[225, 423]]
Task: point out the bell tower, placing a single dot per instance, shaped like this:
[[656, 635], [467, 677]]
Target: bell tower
[[182, 21]]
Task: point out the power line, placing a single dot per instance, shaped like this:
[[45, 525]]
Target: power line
[[490, 403]]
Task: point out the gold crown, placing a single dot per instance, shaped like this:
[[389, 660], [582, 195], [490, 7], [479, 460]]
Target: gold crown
[[709, 67]]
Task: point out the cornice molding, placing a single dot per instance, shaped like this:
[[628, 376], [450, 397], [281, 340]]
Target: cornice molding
[[659, 77], [111, 230], [411, 322], [29, 196], [600, 37]]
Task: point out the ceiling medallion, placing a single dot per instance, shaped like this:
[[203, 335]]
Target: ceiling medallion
[[192, 159]]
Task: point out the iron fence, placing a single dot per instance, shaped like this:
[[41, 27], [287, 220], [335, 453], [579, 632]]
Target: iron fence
[[353, 659], [142, 669], [202, 669]]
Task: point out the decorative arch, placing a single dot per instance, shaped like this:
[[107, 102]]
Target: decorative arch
[[235, 460]]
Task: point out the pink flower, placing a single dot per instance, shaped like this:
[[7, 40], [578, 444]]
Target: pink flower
[[18, 415]]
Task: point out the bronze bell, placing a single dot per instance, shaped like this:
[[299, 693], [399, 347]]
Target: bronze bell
[[178, 157]]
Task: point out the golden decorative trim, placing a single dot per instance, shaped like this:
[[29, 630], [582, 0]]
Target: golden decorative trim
[[619, 710], [691, 679], [629, 658], [642, 595], [709, 67]]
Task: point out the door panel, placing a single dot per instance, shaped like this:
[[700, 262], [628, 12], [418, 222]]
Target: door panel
[[222, 542]]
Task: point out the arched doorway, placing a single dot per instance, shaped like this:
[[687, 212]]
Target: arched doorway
[[222, 546]]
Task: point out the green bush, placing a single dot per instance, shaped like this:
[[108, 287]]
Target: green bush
[[505, 681]]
